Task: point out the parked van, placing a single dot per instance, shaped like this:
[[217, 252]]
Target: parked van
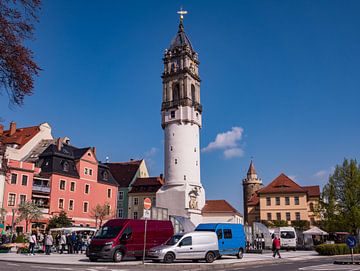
[[118, 238], [189, 246], [288, 238], [231, 237]]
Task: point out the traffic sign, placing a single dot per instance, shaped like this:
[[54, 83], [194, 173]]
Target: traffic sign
[[351, 241], [147, 203], [147, 214]]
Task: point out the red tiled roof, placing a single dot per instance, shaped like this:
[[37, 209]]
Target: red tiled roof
[[313, 191], [254, 200], [282, 184], [20, 137], [219, 206], [146, 185], [124, 172]]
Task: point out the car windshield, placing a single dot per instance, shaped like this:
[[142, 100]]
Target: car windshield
[[108, 232], [287, 234], [173, 240]]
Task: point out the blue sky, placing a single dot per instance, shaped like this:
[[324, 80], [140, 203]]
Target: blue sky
[[282, 77]]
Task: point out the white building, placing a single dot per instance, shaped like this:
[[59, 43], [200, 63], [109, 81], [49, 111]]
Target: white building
[[19, 143], [182, 194], [220, 211]]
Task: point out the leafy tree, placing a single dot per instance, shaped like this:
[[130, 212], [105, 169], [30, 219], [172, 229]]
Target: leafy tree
[[28, 211], [279, 223], [301, 225], [17, 67], [341, 198], [100, 213], [59, 221]]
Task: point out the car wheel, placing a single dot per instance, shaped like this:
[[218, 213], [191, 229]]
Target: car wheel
[[240, 254], [118, 256], [93, 259], [169, 257], [210, 257]]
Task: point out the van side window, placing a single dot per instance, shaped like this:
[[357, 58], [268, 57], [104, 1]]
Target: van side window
[[126, 233], [186, 241], [219, 234], [227, 234]]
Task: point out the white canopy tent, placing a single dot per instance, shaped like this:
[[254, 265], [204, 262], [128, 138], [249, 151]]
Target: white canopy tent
[[315, 231]]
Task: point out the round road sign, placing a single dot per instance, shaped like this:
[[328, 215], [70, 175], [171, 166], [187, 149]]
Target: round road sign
[[351, 241], [147, 203]]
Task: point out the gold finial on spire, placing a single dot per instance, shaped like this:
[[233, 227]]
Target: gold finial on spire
[[181, 12]]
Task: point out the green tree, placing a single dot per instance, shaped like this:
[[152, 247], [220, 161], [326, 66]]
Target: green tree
[[301, 225], [28, 211], [100, 213], [279, 223], [341, 198], [59, 221]]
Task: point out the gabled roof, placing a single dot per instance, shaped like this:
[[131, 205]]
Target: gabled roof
[[20, 137], [146, 185], [282, 184], [313, 191], [124, 172], [219, 206]]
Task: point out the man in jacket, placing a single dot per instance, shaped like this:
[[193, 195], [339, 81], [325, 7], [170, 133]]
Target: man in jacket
[[48, 243]]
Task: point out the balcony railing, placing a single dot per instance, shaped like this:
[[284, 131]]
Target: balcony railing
[[41, 188]]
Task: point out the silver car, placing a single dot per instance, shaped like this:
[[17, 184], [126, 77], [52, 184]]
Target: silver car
[[189, 246]]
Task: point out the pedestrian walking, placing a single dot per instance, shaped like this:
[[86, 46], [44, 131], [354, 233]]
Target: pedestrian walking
[[32, 243], [62, 242], [276, 247], [48, 243]]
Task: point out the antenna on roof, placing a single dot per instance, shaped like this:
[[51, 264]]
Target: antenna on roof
[[107, 160]]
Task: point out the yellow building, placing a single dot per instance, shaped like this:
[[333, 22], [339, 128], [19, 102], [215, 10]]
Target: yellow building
[[283, 199]]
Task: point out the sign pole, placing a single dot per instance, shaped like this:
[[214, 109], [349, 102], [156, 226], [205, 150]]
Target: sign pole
[[143, 260], [352, 256]]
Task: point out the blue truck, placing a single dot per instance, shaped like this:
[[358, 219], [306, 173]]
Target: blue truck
[[231, 237]]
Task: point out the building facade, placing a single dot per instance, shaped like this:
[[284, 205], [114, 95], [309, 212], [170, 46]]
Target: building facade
[[125, 174], [143, 188], [284, 200], [220, 211], [251, 184], [182, 194]]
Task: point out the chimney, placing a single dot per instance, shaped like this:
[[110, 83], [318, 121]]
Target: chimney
[[12, 128], [94, 150], [131, 159], [161, 176], [59, 144], [1, 129]]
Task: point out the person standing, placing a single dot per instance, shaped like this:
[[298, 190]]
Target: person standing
[[62, 242], [276, 246], [32, 243], [48, 243]]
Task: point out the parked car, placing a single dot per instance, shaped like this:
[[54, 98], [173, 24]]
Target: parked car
[[231, 237], [189, 246], [118, 238], [288, 237]]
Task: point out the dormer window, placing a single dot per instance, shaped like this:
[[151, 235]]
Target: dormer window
[[65, 166], [105, 175]]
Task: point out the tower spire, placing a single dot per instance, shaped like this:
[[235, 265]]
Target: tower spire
[[252, 169], [181, 12]]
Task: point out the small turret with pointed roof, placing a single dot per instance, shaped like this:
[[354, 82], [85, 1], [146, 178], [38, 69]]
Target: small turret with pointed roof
[[251, 184]]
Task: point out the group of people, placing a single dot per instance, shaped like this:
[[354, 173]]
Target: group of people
[[71, 243]]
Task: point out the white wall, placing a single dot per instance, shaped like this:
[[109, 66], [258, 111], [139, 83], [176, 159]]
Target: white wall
[[222, 218]]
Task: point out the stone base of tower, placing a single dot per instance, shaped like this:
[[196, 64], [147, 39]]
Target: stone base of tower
[[184, 200]]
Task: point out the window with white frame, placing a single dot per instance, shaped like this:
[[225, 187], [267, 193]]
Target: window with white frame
[[13, 178], [11, 199], [22, 199], [121, 213], [85, 207], [62, 184], [71, 205], [136, 201], [24, 180], [72, 186], [135, 215], [109, 193], [61, 203], [87, 189]]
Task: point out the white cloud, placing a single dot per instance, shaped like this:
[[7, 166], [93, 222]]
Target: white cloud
[[225, 140], [228, 142], [233, 152], [151, 152], [321, 174]]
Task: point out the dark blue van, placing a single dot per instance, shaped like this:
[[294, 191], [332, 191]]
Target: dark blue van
[[231, 237]]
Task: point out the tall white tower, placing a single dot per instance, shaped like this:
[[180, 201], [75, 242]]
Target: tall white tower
[[182, 194]]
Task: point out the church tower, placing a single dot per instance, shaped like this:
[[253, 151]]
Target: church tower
[[251, 184], [182, 194]]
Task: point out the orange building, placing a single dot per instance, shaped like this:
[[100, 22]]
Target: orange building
[[283, 199]]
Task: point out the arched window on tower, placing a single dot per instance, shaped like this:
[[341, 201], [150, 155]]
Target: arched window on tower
[[193, 96], [176, 92]]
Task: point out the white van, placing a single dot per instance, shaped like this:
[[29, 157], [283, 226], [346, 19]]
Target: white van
[[288, 238], [194, 246]]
